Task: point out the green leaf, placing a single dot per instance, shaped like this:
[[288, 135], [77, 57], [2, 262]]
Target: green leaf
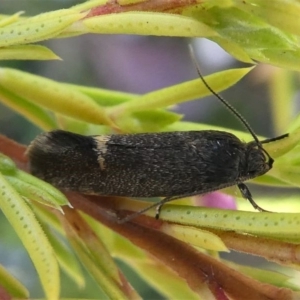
[[147, 121], [281, 14], [117, 245], [12, 285], [248, 37], [25, 52], [147, 23], [31, 234], [180, 93], [40, 27], [104, 97], [195, 236], [287, 173], [157, 275], [281, 91], [270, 180], [165, 281], [47, 217], [96, 261], [263, 223], [289, 59], [7, 166], [47, 191], [6, 20], [65, 257], [32, 112], [31, 187], [280, 147], [234, 49], [53, 95], [271, 277], [31, 192]]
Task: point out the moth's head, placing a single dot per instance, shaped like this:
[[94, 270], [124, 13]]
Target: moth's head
[[257, 161]]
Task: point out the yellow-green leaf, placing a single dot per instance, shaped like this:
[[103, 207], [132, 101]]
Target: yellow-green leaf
[[7, 166], [147, 23], [101, 276], [259, 223], [12, 285], [66, 258], [31, 192], [31, 234], [6, 20], [37, 115], [195, 236], [147, 121], [179, 93], [41, 189], [40, 27], [281, 14], [26, 52], [53, 95]]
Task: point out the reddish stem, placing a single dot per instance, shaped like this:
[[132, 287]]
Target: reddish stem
[[113, 6]]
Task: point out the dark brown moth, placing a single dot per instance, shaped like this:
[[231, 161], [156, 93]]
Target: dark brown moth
[[170, 164], [167, 164]]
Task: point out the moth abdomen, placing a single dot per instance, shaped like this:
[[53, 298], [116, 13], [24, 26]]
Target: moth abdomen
[[61, 158]]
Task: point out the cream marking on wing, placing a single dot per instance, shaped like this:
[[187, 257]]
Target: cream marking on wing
[[101, 141]]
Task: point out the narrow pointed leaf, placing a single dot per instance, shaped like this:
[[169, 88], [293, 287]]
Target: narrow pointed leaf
[[27, 52], [31, 234], [31, 192], [37, 115], [46, 189], [6, 20], [263, 223], [97, 273], [53, 95], [66, 258], [40, 27], [195, 236], [281, 14], [30, 187], [147, 23], [12, 285], [183, 92]]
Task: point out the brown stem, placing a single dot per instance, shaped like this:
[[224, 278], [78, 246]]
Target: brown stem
[[4, 295], [114, 6], [270, 249]]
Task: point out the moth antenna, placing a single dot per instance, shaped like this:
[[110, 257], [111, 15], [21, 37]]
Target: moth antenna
[[229, 106], [138, 213]]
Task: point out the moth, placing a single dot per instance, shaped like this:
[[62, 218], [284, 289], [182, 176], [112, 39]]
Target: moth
[[171, 165]]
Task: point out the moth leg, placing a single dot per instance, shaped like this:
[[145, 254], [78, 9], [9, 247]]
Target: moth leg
[[160, 204], [157, 206], [247, 195]]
